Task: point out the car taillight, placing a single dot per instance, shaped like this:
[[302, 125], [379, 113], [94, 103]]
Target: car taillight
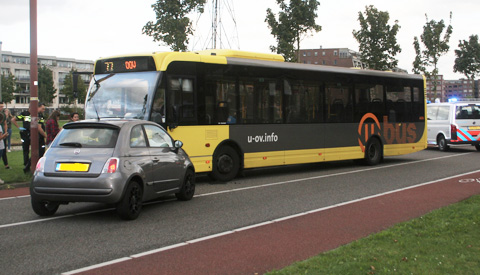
[[40, 166], [453, 132], [111, 165]]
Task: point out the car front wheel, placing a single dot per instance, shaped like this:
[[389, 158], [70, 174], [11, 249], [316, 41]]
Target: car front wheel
[[188, 188], [130, 205]]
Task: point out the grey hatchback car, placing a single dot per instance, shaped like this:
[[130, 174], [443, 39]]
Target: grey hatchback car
[[119, 162]]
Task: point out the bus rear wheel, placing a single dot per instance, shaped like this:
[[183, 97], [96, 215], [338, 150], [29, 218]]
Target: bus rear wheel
[[226, 164], [373, 152]]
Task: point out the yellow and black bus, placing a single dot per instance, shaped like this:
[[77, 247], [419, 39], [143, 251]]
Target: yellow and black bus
[[236, 110]]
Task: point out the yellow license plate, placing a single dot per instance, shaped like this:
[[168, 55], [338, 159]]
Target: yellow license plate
[[474, 128], [72, 167]]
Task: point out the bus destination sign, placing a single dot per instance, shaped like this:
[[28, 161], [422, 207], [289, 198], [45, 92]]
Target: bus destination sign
[[125, 64]]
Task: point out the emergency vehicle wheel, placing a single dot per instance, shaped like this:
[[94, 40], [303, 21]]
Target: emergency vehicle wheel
[[442, 143]]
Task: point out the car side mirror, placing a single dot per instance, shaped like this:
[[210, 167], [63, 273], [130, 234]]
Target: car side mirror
[[178, 144]]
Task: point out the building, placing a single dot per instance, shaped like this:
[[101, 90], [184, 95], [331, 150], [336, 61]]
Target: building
[[436, 93], [19, 65], [341, 57], [460, 89], [447, 90]]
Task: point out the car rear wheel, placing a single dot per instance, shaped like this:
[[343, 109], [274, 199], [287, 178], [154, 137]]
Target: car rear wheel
[[44, 208], [188, 189], [442, 143], [477, 146], [130, 205]]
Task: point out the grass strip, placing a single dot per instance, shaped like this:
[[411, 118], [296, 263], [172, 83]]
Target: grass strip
[[445, 241]]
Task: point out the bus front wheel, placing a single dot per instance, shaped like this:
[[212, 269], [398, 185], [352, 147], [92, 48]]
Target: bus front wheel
[[226, 164]]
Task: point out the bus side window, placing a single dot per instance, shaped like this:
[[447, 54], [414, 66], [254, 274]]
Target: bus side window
[[339, 102], [180, 98], [246, 102], [418, 105], [226, 101], [399, 103]]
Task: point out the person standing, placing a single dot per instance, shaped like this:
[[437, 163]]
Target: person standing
[[2, 138], [52, 126], [25, 134], [3, 125], [9, 129]]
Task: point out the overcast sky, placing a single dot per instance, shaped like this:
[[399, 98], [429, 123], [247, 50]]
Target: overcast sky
[[90, 29]]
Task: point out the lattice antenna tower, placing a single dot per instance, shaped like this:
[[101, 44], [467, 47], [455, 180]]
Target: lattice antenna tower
[[223, 31]]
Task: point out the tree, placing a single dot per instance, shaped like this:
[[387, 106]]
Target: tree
[[8, 87], [468, 59], [294, 22], [435, 47], [46, 90], [67, 89], [377, 39], [172, 25]]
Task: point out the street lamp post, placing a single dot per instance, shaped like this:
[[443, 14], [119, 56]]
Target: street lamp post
[[33, 85]]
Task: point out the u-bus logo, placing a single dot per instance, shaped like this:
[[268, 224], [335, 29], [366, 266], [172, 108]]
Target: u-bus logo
[[392, 133], [368, 126]]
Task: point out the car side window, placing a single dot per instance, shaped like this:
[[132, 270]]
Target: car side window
[[443, 112], [432, 113], [137, 138], [157, 137]]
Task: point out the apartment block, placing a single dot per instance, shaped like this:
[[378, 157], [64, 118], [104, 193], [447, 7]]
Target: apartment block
[[341, 57], [19, 65], [460, 89]]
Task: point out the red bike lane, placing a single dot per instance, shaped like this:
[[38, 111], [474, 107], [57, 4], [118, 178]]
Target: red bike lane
[[280, 243], [17, 192]]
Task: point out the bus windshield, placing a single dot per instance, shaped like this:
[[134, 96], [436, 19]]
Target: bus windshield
[[121, 95]]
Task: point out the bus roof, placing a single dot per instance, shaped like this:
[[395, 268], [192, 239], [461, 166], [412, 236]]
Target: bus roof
[[243, 54], [320, 68], [224, 56]]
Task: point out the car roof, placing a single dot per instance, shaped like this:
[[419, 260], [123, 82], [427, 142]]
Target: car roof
[[108, 123], [462, 103]]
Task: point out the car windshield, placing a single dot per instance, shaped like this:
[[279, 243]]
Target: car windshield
[[87, 138], [122, 95], [471, 111]]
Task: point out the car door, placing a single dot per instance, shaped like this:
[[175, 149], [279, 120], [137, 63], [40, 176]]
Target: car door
[[167, 163], [139, 155]]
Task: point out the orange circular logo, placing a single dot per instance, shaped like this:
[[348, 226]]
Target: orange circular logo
[[369, 125]]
